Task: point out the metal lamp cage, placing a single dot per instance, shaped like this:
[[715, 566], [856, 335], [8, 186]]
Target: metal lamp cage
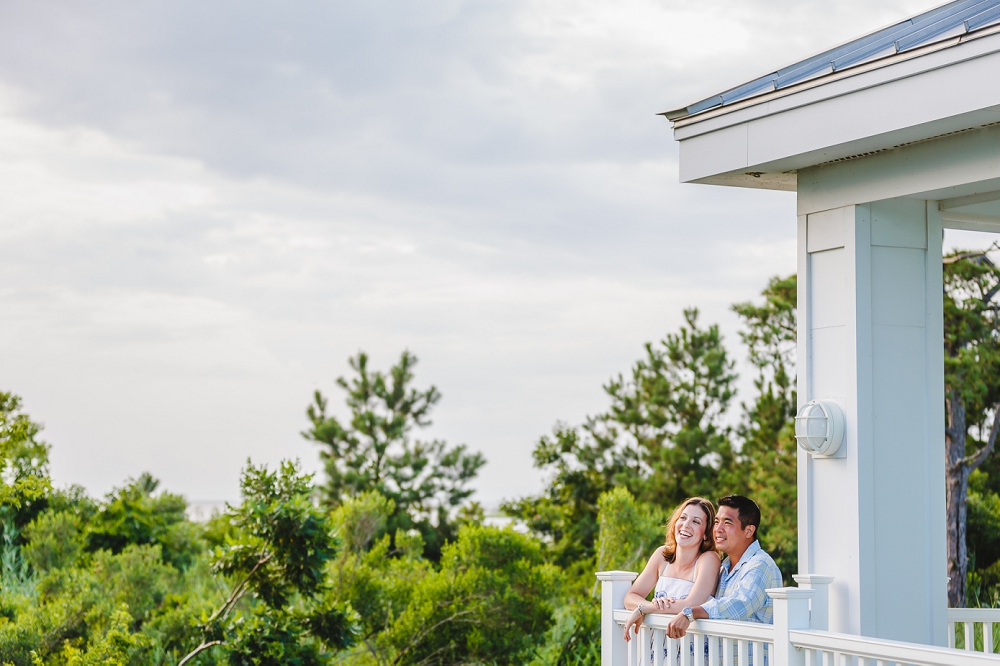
[[819, 427]]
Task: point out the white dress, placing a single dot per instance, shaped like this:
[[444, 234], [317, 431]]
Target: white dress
[[673, 588]]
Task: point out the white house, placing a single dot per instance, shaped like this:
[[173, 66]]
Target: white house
[[886, 140]]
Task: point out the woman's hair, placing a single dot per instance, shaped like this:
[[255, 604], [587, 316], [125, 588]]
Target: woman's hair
[[707, 543]]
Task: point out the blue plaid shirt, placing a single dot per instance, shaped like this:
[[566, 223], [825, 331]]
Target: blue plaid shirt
[[741, 593]]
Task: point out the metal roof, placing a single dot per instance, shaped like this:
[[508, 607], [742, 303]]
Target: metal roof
[[948, 21]]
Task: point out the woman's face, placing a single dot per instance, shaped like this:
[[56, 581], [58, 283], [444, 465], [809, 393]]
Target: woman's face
[[689, 530]]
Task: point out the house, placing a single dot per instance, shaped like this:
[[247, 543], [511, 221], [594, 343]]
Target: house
[[886, 140]]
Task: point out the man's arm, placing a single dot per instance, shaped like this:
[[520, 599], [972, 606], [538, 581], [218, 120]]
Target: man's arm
[[678, 626], [746, 598]]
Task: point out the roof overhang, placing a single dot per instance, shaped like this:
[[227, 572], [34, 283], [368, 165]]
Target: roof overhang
[[944, 88]]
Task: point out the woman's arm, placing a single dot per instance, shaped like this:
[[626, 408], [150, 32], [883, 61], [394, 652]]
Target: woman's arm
[[706, 579], [635, 598], [645, 582]]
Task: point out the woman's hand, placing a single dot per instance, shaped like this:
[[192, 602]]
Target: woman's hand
[[661, 604], [634, 620]]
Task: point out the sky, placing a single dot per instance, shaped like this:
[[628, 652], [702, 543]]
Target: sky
[[207, 208]]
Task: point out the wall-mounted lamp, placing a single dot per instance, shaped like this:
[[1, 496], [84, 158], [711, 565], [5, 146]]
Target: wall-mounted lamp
[[819, 427]]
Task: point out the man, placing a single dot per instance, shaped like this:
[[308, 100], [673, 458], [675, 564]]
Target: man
[[746, 571]]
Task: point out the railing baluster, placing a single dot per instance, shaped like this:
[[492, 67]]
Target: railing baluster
[[686, 649], [951, 634], [728, 653], [969, 636], [658, 647], [713, 651], [671, 650], [988, 637]]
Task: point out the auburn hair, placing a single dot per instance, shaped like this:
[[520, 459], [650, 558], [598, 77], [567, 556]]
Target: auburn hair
[[707, 543]]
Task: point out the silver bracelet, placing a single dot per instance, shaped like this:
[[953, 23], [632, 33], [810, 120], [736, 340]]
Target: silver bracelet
[[639, 608]]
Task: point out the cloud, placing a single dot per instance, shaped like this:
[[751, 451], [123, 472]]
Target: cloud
[[208, 207]]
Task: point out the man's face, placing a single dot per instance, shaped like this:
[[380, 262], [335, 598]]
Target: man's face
[[729, 536]]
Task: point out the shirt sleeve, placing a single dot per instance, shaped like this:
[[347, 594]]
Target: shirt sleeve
[[746, 598]]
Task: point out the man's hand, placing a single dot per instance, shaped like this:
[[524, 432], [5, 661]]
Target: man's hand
[[678, 626], [634, 620]]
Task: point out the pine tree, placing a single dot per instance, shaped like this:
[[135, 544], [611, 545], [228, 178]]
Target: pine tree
[[374, 451]]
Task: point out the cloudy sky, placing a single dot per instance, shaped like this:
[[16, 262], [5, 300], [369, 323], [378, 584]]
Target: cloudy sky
[[207, 207]]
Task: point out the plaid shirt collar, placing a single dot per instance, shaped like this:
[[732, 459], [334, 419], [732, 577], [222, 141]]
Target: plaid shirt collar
[[748, 555]]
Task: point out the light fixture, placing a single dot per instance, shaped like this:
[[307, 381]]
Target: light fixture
[[819, 427]]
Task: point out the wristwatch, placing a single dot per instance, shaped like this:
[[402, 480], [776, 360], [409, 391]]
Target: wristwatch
[[688, 613]]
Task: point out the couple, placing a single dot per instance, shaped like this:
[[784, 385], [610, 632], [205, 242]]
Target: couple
[[686, 572]]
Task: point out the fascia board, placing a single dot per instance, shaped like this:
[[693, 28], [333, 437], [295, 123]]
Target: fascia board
[[893, 106], [837, 85]]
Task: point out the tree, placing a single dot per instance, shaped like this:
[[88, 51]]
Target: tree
[[768, 451], [663, 438], [24, 465], [489, 603], [427, 481], [279, 558], [137, 514], [972, 394]]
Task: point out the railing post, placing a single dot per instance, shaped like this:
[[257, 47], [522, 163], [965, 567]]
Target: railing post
[[819, 616], [614, 586], [791, 611]]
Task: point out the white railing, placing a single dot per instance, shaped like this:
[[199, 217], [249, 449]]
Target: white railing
[[817, 648], [730, 642], [798, 636], [711, 641], [973, 628]]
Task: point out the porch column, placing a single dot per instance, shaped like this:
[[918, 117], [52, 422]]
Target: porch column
[[871, 339]]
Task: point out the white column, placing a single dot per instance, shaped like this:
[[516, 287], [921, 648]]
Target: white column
[[819, 605], [614, 587], [870, 338]]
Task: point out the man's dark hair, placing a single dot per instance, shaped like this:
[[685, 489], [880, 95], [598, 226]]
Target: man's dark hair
[[748, 511]]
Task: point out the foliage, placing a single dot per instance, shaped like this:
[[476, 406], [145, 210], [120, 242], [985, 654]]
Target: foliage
[[279, 557], [427, 481], [628, 531], [768, 456], [361, 518], [24, 463], [54, 541], [972, 395], [134, 514], [488, 603], [115, 648], [574, 639]]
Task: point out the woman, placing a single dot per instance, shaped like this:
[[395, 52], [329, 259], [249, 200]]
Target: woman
[[685, 568]]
